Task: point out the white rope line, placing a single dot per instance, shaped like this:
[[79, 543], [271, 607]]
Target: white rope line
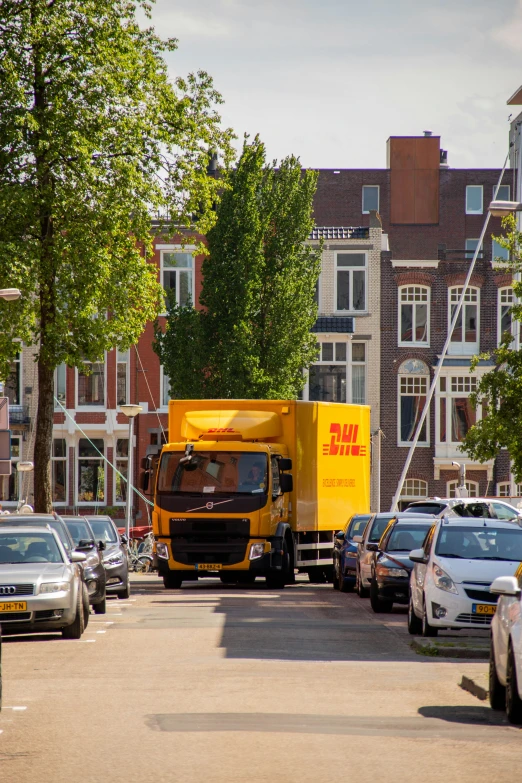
[[150, 392]]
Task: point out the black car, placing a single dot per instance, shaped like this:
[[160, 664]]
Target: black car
[[115, 558], [94, 572], [391, 565], [345, 553]]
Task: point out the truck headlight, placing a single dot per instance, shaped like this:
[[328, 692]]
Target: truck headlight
[[54, 587], [256, 551], [442, 580], [162, 550]]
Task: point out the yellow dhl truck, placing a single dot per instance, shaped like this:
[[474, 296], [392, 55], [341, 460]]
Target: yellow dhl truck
[[248, 488]]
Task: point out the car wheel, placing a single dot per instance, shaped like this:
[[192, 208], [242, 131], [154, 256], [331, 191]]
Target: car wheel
[[77, 627], [513, 700], [362, 591], [414, 622], [497, 691], [86, 605], [101, 608], [172, 581], [123, 594], [378, 605], [337, 575], [427, 629]]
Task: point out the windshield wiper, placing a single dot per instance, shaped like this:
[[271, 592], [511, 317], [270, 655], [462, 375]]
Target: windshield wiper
[[460, 557], [496, 557]]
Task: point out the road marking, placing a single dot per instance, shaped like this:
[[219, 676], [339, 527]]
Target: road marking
[[15, 708], [86, 641], [116, 614], [101, 631], [101, 622]]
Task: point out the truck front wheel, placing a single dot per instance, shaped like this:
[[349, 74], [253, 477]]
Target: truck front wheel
[[276, 580], [172, 581]]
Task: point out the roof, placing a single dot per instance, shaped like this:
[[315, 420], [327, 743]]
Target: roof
[[516, 98], [335, 323], [339, 232]]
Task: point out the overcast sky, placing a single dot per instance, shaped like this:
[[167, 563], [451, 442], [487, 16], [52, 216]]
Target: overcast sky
[[330, 80]]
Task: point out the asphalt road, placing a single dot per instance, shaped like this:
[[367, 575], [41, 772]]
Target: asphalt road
[[224, 684]]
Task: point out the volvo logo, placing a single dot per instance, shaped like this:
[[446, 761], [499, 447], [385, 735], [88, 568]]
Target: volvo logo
[[210, 506], [4, 590]]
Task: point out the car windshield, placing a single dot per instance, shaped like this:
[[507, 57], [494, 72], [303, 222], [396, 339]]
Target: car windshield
[[426, 508], [404, 538], [378, 527], [479, 510], [480, 543], [57, 525], [79, 530], [229, 473], [357, 525], [29, 548], [103, 531]]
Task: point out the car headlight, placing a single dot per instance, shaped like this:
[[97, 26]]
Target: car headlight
[[162, 550], [54, 587], [113, 560], [386, 571], [442, 580], [256, 551]]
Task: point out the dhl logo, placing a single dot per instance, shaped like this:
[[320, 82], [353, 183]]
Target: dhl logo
[[344, 442], [221, 429]]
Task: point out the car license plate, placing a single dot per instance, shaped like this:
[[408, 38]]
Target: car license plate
[[208, 566], [13, 606], [483, 609]]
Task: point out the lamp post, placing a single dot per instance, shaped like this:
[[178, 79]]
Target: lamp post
[[9, 294], [131, 411], [22, 467]]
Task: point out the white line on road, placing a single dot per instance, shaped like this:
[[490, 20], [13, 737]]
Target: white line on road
[[14, 708]]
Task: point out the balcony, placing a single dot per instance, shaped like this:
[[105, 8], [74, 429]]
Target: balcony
[[19, 415], [339, 232]]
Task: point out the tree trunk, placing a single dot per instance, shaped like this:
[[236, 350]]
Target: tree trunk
[[43, 499]]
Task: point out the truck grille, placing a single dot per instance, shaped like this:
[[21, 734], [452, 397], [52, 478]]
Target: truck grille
[[19, 590], [209, 540]]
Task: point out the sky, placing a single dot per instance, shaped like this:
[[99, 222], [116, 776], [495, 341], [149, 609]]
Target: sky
[[330, 80]]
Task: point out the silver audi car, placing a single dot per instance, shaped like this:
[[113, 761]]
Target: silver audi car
[[40, 589]]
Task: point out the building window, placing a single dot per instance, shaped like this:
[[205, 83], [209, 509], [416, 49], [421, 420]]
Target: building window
[[122, 461], [414, 304], [351, 269], [59, 470], [91, 471], [456, 413], [499, 254], [505, 321], [165, 389], [414, 489], [412, 399], [60, 375], [339, 375], [509, 489], [471, 486], [471, 246], [370, 198], [504, 193], [177, 276], [474, 199], [13, 384], [465, 337], [122, 377], [91, 387], [9, 487]]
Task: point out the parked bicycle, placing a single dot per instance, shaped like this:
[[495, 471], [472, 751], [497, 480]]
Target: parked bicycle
[[140, 551]]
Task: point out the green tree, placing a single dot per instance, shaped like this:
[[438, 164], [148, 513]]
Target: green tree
[[500, 390], [93, 138], [252, 339]]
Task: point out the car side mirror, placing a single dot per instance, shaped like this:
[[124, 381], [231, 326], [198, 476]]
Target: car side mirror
[[418, 556], [286, 482], [357, 539], [124, 539], [102, 545], [78, 557], [372, 547], [340, 535], [505, 585]]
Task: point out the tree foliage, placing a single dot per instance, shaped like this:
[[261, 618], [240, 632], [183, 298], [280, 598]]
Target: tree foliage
[[252, 339], [500, 390], [93, 138]]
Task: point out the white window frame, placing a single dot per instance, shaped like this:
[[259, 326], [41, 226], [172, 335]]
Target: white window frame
[[451, 486], [58, 436], [117, 459], [418, 375], [412, 483], [92, 408], [504, 292], [15, 475], [448, 394], [18, 360], [412, 343], [464, 348], [164, 404], [349, 363], [475, 211], [350, 269], [127, 375], [495, 254], [178, 249], [64, 402], [500, 197], [92, 436], [470, 252], [367, 211]]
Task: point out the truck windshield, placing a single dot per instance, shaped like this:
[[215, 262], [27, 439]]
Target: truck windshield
[[229, 473]]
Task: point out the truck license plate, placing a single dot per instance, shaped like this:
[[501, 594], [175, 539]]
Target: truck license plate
[[208, 566]]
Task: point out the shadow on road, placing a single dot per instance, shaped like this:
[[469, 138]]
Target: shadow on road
[[483, 716]]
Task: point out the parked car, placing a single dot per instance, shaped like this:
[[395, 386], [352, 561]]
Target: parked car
[[94, 572], [451, 579], [345, 553], [391, 565], [115, 558], [40, 589], [368, 543], [466, 507], [505, 663]]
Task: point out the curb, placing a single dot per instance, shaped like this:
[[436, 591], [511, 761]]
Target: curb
[[468, 684], [431, 649]]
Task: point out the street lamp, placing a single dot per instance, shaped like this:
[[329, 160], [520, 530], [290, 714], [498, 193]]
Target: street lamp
[[10, 293], [504, 208], [24, 466], [130, 411]]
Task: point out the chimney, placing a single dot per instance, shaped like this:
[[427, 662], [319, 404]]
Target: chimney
[[428, 133]]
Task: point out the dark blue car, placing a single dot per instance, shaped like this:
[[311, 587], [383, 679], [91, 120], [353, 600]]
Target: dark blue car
[[345, 553]]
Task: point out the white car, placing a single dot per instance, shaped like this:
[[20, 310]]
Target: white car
[[466, 507], [451, 579], [505, 663]]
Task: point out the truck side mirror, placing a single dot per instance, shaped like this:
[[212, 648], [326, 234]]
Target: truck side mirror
[[286, 482], [285, 463], [144, 480]]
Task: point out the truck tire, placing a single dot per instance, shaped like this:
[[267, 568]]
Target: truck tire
[[317, 575], [172, 581], [276, 580]]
